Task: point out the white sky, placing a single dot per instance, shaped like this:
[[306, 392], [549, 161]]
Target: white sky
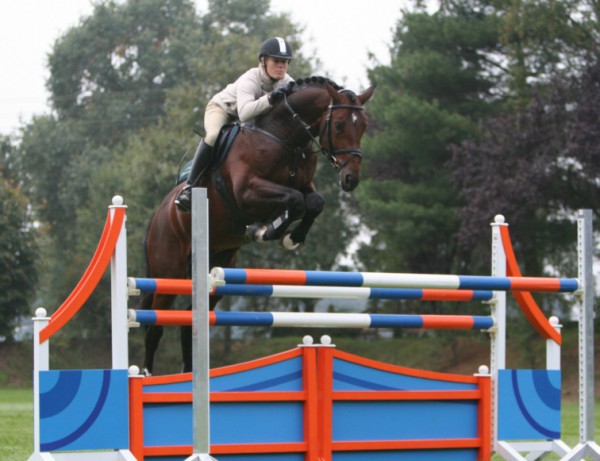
[[343, 32]]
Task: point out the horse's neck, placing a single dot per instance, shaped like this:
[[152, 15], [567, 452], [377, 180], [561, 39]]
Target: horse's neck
[[308, 103]]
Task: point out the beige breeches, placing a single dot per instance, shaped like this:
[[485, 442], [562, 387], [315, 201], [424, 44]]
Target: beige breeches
[[214, 118]]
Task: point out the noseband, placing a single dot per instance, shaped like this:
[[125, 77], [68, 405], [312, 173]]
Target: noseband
[[331, 152]]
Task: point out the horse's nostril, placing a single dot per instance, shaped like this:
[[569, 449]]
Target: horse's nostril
[[349, 182]]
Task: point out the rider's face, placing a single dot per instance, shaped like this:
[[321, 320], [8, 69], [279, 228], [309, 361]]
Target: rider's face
[[276, 67]]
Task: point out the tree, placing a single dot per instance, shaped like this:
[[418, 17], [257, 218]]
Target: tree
[[128, 89], [542, 39], [112, 73], [449, 71], [18, 250], [109, 78], [537, 166], [428, 98], [532, 161]]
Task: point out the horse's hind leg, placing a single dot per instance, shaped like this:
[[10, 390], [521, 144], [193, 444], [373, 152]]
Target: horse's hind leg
[[223, 258], [186, 347], [153, 332], [186, 336], [151, 340]]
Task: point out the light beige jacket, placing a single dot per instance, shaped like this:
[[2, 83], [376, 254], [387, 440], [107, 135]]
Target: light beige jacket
[[247, 97]]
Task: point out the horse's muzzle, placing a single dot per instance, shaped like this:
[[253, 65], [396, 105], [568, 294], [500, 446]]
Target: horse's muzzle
[[348, 180]]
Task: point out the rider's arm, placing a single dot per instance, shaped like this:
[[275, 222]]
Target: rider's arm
[[250, 102]]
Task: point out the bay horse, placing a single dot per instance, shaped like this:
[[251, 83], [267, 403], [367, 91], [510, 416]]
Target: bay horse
[[263, 186]]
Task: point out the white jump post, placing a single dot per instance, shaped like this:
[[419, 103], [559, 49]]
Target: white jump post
[[585, 250], [498, 332], [119, 294], [200, 329], [41, 362]]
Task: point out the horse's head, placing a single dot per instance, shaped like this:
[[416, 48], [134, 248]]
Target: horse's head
[[341, 130], [320, 108]]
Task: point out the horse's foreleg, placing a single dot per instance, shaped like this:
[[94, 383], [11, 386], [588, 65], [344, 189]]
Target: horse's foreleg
[[263, 194], [259, 232], [314, 206]]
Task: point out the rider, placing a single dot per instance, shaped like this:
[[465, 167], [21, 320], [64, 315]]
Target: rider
[[249, 96]]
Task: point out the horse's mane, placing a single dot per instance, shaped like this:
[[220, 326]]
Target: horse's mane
[[297, 86], [318, 81], [315, 80]]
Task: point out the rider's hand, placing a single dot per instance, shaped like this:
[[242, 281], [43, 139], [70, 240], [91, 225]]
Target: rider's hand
[[277, 94]]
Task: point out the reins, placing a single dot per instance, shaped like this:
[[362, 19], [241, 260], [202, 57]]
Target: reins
[[331, 152], [306, 126]]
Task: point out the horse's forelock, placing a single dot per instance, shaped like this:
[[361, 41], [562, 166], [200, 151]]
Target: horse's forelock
[[351, 95]]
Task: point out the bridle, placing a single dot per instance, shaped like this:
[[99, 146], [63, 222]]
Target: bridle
[[331, 152]]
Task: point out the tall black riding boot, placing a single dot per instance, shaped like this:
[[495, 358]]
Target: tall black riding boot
[[201, 161]]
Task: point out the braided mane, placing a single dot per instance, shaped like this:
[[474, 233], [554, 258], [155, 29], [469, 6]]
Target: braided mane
[[315, 80]]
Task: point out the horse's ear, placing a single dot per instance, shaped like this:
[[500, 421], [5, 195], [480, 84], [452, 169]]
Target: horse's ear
[[363, 98], [335, 96]]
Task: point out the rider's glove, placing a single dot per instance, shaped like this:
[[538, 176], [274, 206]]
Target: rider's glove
[[277, 94]]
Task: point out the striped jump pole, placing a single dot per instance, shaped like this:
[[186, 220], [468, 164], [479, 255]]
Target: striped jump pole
[[316, 320], [169, 286], [159, 286], [297, 291], [391, 280]]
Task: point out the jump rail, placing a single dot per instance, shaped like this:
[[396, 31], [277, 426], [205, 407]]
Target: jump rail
[[316, 320], [184, 287], [396, 280]]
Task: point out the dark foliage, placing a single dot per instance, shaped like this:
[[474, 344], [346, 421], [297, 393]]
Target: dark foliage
[[538, 163]]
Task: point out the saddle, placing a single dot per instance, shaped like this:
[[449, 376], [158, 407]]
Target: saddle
[[220, 150]]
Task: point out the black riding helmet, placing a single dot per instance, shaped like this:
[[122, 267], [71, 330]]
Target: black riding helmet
[[276, 47]]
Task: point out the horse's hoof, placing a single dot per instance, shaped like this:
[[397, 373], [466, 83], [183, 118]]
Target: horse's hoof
[[146, 372], [288, 243], [256, 233], [260, 234]]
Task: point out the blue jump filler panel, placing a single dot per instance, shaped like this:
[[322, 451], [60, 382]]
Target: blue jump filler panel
[[233, 422], [529, 404], [402, 419], [317, 403], [84, 410]]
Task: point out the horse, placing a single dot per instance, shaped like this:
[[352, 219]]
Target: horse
[[262, 190]]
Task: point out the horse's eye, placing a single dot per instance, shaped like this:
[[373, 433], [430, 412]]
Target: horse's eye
[[339, 126]]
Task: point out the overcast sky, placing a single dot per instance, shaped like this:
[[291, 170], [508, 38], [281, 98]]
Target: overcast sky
[[343, 32]]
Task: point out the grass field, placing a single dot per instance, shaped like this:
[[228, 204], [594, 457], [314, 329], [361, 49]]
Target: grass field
[[16, 420], [16, 425]]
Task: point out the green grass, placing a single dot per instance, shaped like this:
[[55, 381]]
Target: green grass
[[16, 424], [570, 428], [16, 420]]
